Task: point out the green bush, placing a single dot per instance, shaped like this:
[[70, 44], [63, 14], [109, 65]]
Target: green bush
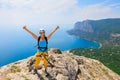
[[15, 69]]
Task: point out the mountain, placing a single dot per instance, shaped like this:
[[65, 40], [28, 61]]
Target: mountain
[[105, 31], [65, 66], [84, 26]]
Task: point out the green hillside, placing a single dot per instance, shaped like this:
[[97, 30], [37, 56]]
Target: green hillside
[[108, 56], [106, 32], [102, 31]]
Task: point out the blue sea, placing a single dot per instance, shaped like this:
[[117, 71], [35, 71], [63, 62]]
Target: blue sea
[[17, 44]]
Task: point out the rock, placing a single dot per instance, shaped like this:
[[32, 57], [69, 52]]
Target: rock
[[84, 26], [61, 77], [66, 66], [55, 51]]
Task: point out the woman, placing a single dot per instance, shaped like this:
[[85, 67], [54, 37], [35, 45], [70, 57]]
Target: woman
[[42, 52]]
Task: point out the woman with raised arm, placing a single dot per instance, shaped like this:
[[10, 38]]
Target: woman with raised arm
[[42, 52]]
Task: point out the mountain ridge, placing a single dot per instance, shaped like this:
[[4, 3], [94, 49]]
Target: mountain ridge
[[105, 31]]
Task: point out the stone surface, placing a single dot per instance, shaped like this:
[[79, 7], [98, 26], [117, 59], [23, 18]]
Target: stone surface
[[62, 66]]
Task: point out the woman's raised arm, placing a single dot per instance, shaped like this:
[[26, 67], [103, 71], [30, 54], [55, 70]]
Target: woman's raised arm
[[34, 35], [48, 37]]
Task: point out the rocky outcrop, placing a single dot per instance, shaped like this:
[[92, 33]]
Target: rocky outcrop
[[84, 26], [82, 29], [104, 31], [65, 66]]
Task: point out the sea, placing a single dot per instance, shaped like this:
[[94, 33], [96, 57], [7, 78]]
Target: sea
[[16, 44]]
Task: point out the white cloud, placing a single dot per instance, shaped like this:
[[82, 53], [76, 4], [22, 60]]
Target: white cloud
[[116, 5], [51, 11], [40, 5], [91, 12], [34, 11]]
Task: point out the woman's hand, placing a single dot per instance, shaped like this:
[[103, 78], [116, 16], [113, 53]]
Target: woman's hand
[[57, 27], [24, 27]]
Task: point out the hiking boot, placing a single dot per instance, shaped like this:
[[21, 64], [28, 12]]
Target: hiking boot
[[46, 73], [35, 71], [30, 68]]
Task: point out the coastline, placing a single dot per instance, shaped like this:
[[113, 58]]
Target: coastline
[[100, 45]]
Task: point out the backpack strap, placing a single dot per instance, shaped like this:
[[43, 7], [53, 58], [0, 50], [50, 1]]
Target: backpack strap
[[45, 40], [38, 42]]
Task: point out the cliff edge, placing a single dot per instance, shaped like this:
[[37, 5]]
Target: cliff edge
[[62, 66]]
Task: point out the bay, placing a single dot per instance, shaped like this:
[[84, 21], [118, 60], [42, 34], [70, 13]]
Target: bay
[[17, 44]]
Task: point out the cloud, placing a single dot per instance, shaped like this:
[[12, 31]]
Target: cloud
[[41, 6], [52, 11], [91, 12], [34, 11], [116, 5]]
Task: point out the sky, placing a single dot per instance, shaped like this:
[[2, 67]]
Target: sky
[[35, 12], [14, 14]]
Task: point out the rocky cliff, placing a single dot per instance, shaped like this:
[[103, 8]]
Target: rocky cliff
[[62, 66], [84, 26], [105, 31]]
